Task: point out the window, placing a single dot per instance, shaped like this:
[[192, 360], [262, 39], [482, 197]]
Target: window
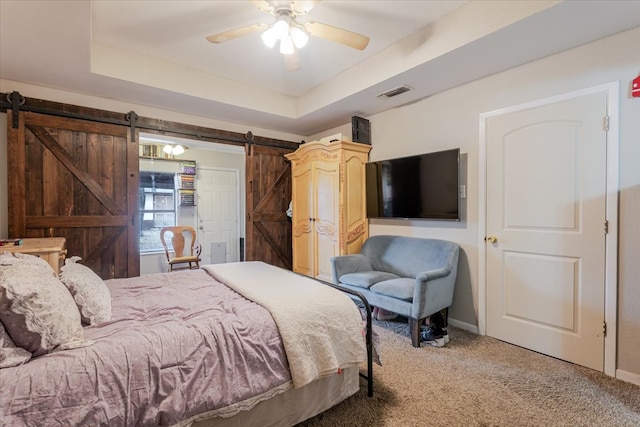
[[157, 207]]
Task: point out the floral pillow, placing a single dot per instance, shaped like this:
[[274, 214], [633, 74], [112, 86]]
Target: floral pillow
[[37, 310], [10, 355], [89, 291]]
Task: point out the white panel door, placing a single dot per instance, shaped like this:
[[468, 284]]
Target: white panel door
[[217, 201], [546, 200]]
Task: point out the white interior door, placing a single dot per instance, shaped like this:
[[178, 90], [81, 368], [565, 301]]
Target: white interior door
[[217, 202], [546, 208]]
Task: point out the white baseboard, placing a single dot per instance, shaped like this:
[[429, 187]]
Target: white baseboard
[[462, 325], [629, 377]]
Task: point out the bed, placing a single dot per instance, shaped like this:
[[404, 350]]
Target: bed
[[226, 345]]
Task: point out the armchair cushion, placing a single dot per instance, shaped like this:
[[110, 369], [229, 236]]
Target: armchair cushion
[[365, 279], [397, 288]]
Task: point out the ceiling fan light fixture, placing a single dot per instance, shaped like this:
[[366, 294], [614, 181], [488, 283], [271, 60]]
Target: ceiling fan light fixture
[[281, 28], [175, 150], [299, 37], [269, 37], [286, 46]]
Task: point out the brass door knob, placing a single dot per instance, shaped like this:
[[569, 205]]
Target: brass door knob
[[491, 239]]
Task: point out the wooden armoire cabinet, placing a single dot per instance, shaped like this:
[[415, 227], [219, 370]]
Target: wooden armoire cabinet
[[328, 204]]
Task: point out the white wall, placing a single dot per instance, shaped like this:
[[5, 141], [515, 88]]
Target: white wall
[[451, 119]]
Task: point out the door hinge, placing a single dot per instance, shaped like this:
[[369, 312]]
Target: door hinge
[[605, 122], [604, 328], [606, 226]]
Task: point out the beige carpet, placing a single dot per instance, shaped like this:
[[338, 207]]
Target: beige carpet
[[480, 381]]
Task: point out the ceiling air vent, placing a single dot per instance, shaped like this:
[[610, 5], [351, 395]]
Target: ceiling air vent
[[394, 92]]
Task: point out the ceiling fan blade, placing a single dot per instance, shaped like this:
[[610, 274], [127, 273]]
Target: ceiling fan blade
[[263, 5], [300, 7], [338, 35], [292, 61], [238, 32]]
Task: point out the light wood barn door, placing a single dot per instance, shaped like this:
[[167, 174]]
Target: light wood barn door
[[268, 234], [76, 179]]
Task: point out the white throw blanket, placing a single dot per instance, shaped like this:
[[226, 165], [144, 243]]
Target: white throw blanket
[[322, 329]]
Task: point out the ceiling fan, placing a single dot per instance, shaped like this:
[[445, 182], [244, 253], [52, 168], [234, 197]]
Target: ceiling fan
[[292, 34]]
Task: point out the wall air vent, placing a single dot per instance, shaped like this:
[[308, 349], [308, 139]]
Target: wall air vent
[[394, 92]]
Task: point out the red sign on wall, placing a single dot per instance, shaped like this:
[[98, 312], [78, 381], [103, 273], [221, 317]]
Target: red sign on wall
[[635, 87]]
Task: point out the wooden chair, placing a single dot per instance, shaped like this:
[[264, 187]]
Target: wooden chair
[[179, 233]]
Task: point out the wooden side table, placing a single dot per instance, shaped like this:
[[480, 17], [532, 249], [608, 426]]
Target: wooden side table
[[51, 249]]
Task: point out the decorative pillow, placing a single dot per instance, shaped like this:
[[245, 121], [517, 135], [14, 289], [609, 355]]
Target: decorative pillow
[[37, 310], [10, 355], [10, 258], [89, 291]]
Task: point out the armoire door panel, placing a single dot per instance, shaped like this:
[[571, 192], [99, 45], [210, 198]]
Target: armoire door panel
[[302, 214], [326, 206], [326, 247], [303, 256], [326, 219], [354, 196]]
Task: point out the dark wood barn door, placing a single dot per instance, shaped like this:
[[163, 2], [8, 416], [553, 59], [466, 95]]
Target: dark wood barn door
[[76, 179], [268, 233]]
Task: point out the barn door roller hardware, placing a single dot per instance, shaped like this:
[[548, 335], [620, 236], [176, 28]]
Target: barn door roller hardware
[[16, 100], [132, 117], [249, 138]]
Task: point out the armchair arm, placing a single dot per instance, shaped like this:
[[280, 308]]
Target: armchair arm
[[345, 264], [434, 288], [432, 274]]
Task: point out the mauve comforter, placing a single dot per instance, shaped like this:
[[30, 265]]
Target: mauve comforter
[[178, 344]]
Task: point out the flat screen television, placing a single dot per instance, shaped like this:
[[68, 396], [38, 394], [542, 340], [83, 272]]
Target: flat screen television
[[415, 187]]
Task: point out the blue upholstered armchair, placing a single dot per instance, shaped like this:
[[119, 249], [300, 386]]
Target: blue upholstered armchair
[[411, 276]]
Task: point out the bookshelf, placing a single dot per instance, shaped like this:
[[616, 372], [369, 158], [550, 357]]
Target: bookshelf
[[186, 183], [187, 197], [188, 167]]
